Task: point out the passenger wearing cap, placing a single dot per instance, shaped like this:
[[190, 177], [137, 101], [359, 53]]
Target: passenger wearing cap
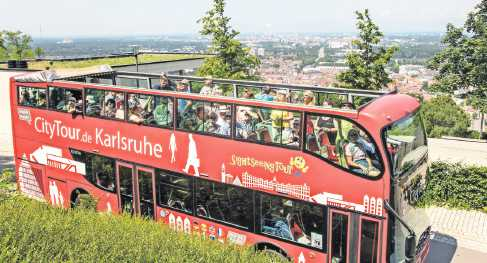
[[224, 120], [164, 83], [281, 121]]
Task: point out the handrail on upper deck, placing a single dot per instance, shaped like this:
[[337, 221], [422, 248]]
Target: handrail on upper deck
[[243, 83]]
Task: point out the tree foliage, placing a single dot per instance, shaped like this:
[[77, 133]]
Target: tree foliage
[[232, 60], [456, 185], [15, 45], [442, 117], [367, 64], [462, 64]]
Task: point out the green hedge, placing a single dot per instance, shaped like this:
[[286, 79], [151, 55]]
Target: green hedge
[[456, 185], [32, 231]]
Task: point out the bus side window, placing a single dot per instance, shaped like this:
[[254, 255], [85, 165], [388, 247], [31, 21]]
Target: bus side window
[[100, 170], [343, 143], [93, 102], [107, 104], [162, 113], [223, 202], [268, 125], [213, 118], [32, 97], [175, 191], [56, 98], [114, 105], [292, 220], [66, 100]]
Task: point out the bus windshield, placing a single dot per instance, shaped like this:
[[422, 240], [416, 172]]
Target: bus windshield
[[406, 143]]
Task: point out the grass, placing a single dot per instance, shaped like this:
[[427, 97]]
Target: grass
[[32, 231], [144, 58]]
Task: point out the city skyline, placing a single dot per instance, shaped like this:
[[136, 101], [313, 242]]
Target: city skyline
[[151, 17]]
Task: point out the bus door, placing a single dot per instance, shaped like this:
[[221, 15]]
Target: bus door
[[125, 186], [339, 236], [136, 189], [145, 192], [368, 239]]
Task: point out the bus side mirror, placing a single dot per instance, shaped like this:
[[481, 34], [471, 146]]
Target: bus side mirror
[[410, 248]]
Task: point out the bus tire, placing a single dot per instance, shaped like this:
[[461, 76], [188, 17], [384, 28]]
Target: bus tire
[[75, 197], [273, 250]]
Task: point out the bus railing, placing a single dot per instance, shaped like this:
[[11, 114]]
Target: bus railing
[[235, 88]]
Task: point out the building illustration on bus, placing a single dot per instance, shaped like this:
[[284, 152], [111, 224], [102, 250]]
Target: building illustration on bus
[[329, 179]]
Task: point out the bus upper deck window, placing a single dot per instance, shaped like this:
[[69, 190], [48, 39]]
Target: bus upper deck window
[[106, 104], [67, 100], [207, 117], [268, 125], [343, 143], [32, 97]]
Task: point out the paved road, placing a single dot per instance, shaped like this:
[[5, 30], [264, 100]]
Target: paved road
[[6, 147], [458, 151]]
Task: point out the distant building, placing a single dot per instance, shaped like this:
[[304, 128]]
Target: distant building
[[260, 52], [321, 53]]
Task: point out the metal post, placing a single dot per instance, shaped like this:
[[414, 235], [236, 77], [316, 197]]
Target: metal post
[[135, 52]]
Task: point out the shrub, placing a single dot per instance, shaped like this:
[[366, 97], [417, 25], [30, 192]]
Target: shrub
[[32, 231], [7, 176], [87, 202], [456, 185]]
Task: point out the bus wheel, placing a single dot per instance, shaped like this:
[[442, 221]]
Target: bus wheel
[[273, 251], [76, 197]]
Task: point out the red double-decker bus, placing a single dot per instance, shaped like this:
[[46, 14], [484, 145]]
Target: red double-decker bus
[[292, 170]]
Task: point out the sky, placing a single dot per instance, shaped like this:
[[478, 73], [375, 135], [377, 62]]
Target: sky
[[68, 18]]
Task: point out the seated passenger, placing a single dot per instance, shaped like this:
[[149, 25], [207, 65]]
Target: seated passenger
[[136, 112], [208, 87], [42, 102], [309, 98], [71, 106], [162, 112], [25, 99], [183, 86], [211, 125], [224, 120], [164, 83], [248, 94], [265, 95], [245, 125], [92, 107], [356, 158], [109, 110]]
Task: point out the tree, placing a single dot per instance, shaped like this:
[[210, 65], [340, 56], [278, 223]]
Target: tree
[[17, 44], [367, 65], [442, 116], [232, 60], [39, 52], [462, 64], [3, 48]]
